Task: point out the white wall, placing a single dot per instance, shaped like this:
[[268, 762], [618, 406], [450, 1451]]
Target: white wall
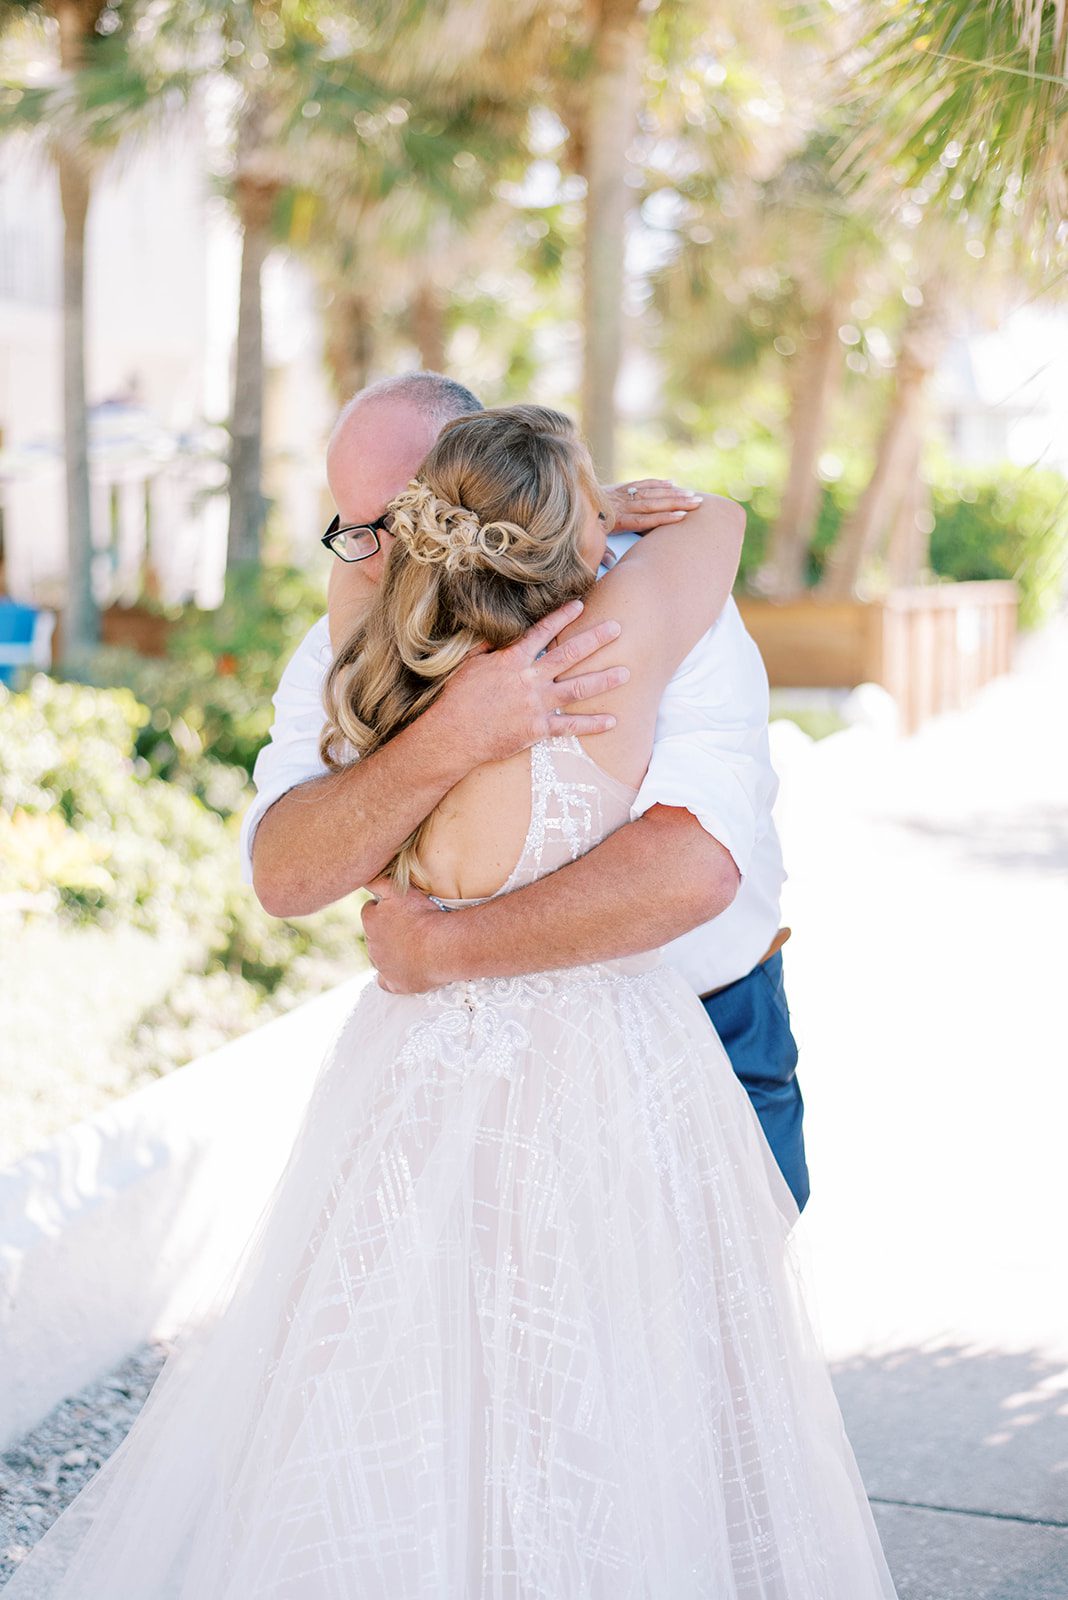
[[162, 268], [112, 1233]]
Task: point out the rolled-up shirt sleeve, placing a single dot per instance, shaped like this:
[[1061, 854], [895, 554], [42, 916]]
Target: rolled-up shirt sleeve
[[291, 754], [711, 754]]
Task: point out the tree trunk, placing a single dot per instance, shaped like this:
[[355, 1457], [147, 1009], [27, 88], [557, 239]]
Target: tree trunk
[[349, 342], [426, 322], [247, 505], [817, 379], [909, 536], [81, 630], [611, 118], [921, 346]]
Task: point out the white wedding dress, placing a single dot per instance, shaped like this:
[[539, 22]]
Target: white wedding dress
[[518, 1323]]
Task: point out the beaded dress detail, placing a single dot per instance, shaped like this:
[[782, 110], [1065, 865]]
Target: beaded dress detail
[[519, 1322]]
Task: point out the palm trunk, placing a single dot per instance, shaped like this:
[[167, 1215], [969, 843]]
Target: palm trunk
[[921, 346], [247, 505], [610, 122], [349, 343], [817, 380], [907, 551], [81, 626], [426, 320], [81, 629]]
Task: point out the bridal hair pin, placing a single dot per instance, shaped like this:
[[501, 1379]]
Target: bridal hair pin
[[434, 532]]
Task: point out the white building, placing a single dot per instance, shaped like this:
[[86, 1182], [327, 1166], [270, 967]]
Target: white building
[[162, 259], [1001, 394]]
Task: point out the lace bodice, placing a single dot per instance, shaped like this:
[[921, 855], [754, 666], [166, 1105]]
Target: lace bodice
[[574, 805]]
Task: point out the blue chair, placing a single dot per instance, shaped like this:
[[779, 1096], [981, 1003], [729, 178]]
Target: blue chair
[[25, 638]]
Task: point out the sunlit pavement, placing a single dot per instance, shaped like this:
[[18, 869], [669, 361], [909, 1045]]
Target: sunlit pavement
[[927, 977]]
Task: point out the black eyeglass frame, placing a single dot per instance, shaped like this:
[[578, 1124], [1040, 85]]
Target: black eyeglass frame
[[379, 525]]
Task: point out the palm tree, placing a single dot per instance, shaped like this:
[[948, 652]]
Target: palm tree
[[78, 42], [441, 124], [980, 128], [254, 188], [979, 111], [761, 286], [890, 488], [824, 245], [611, 84], [77, 20], [317, 119]]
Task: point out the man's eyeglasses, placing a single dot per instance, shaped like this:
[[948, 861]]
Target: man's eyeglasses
[[355, 541]]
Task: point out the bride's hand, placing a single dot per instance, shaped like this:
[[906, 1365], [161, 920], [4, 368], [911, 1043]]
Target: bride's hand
[[648, 503]]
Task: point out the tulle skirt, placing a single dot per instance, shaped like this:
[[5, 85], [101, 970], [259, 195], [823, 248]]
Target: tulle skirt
[[519, 1322]]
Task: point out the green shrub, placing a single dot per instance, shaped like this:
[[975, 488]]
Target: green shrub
[[41, 856], [68, 750], [201, 731], [1008, 523], [209, 702], [82, 813], [1001, 522]]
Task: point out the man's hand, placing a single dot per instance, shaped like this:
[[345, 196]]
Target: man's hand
[[502, 701], [645, 884], [329, 835], [649, 503], [398, 929]]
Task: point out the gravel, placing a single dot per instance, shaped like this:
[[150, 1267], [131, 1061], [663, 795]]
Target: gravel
[[41, 1473]]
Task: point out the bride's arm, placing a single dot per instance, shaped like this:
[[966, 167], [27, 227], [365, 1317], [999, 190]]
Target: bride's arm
[[647, 884]]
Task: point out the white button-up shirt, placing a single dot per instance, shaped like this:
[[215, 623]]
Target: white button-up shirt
[[710, 757]]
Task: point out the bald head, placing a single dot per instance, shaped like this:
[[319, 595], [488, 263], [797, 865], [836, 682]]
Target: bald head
[[379, 442], [434, 396], [382, 436]]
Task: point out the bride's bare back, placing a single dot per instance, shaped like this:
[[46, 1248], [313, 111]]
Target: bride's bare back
[[666, 592]]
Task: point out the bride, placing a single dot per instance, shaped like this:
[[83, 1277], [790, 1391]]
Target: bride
[[519, 1320]]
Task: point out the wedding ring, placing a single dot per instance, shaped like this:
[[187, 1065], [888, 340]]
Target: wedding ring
[[632, 492]]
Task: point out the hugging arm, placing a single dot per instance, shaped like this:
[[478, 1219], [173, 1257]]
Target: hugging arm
[[652, 880], [677, 866], [310, 837], [326, 834]]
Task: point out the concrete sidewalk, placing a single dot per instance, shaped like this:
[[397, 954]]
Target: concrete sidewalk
[[927, 973], [929, 899]]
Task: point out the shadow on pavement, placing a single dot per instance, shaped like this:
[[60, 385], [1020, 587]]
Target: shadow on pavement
[[1019, 840], [964, 1453]]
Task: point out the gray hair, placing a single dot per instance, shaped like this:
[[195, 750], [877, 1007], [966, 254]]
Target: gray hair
[[437, 398]]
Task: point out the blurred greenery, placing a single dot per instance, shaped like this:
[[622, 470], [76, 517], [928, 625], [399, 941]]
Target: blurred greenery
[[210, 697], [995, 522], [1004, 524], [92, 838]]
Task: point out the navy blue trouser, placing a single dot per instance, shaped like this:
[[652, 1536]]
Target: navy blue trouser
[[753, 1021]]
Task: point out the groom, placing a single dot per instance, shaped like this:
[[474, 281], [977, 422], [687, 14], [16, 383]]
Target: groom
[[699, 870]]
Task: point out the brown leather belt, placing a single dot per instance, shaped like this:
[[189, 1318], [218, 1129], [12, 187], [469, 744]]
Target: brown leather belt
[[773, 949]]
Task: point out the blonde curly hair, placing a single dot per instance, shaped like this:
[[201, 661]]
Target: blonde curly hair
[[486, 543]]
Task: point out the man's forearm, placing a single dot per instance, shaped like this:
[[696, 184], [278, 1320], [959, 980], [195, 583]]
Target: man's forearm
[[334, 834], [648, 883]]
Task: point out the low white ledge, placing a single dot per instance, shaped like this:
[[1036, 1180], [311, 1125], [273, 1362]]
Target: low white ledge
[[111, 1232]]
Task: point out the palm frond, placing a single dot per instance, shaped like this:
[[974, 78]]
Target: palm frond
[[970, 103]]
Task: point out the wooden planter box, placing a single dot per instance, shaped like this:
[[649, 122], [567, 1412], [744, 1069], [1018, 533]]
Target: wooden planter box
[[931, 648], [128, 628], [135, 628]]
